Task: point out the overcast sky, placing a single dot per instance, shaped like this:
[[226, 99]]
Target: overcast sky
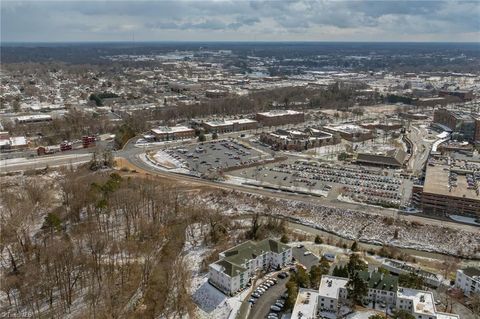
[[216, 20]]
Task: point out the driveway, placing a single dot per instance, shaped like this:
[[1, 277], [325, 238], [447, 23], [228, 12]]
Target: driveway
[[262, 307]]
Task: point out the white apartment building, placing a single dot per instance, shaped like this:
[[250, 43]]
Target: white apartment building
[[331, 292], [238, 265], [306, 305], [468, 280], [420, 304]]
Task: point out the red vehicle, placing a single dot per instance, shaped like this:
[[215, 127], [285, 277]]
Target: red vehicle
[[88, 141]]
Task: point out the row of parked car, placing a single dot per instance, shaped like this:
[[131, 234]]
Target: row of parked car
[[262, 289]]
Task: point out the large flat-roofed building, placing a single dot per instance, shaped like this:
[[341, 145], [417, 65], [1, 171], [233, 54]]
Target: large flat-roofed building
[[468, 280], [350, 132], [280, 117], [224, 126], [168, 133], [449, 190], [238, 265]]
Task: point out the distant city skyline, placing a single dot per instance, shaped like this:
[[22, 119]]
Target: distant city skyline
[[214, 20]]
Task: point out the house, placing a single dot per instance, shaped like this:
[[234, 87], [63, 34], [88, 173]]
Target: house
[[238, 265], [468, 280]]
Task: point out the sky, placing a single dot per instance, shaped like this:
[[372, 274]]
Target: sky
[[240, 20]]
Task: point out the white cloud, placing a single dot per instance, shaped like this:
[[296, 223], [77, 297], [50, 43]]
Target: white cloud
[[240, 20]]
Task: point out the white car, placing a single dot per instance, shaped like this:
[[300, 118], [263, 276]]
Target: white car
[[307, 253]]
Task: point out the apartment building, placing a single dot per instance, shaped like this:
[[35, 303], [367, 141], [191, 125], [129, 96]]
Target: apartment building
[[238, 265], [333, 293], [399, 267], [468, 280], [420, 304]]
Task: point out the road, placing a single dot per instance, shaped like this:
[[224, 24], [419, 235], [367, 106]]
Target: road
[[132, 154]]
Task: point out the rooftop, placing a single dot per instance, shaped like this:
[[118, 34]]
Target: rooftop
[[274, 113], [422, 300], [436, 182], [471, 271], [171, 129], [305, 306], [377, 280], [330, 285]]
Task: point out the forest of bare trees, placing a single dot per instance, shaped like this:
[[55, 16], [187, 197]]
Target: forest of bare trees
[[108, 247]]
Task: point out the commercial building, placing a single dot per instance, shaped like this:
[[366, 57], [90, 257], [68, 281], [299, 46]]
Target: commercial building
[[420, 304], [468, 280], [238, 265], [449, 190], [384, 126], [350, 132], [168, 133], [225, 126], [390, 158], [280, 117], [298, 140], [459, 122]]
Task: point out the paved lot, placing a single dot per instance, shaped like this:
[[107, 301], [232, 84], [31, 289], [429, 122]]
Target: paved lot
[[262, 307], [212, 155], [308, 261], [366, 184]]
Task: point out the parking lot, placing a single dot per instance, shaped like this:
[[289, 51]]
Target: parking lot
[[262, 306], [213, 155], [363, 184]]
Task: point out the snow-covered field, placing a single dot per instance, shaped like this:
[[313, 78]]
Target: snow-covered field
[[350, 224]]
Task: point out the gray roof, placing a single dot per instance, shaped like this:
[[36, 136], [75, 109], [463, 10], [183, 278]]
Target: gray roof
[[471, 271], [238, 255]]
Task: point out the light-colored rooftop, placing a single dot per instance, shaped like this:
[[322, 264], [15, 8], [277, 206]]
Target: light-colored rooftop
[[330, 285], [422, 300], [171, 129], [436, 182], [275, 113], [306, 304], [215, 123]]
